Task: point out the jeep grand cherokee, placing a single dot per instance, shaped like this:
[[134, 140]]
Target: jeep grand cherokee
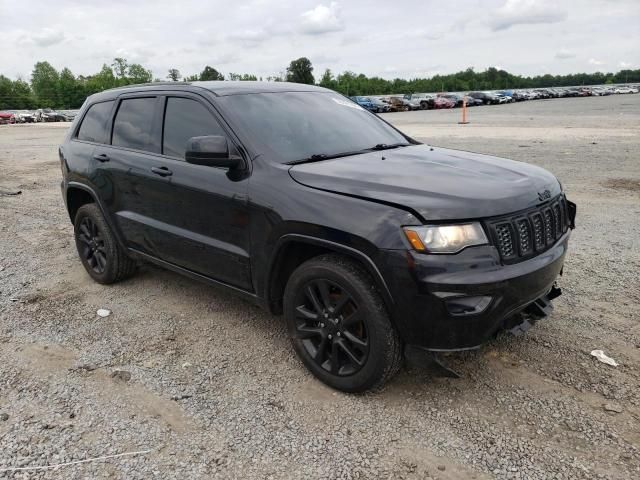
[[369, 242]]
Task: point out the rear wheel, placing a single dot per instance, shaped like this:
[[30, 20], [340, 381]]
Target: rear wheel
[[103, 258], [339, 325]]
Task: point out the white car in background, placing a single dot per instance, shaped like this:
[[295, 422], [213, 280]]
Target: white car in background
[[24, 116], [502, 98]]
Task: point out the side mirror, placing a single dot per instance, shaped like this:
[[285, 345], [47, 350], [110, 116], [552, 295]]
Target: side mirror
[[211, 151]]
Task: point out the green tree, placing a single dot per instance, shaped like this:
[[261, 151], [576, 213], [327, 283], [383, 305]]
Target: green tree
[[22, 95], [102, 80], [245, 77], [6, 94], [120, 67], [44, 81], [300, 71], [69, 89], [174, 75], [327, 80], [210, 73], [138, 74]]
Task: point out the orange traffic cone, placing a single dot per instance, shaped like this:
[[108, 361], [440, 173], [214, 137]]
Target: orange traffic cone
[[464, 112]]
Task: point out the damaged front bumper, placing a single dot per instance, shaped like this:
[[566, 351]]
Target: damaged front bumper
[[462, 301]]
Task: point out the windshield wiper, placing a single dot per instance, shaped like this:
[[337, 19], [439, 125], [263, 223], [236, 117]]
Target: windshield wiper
[[388, 146], [317, 157]]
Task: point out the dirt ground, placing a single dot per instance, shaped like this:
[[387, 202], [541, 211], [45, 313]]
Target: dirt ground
[[195, 383]]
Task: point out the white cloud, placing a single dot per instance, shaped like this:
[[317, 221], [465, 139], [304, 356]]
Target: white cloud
[[565, 54], [521, 12], [625, 64], [262, 36], [46, 37], [322, 19], [593, 61], [249, 38]]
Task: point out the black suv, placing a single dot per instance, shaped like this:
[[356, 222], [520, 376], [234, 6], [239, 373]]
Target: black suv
[[293, 196]]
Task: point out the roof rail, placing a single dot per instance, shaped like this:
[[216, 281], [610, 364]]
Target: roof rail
[[150, 84]]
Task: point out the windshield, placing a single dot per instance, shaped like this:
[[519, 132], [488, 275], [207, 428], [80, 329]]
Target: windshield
[[298, 125]]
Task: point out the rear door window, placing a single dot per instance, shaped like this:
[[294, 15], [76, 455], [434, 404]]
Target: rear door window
[[134, 125], [185, 118], [94, 127]]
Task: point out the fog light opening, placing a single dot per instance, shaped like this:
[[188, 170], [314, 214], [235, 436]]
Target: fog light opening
[[460, 306]]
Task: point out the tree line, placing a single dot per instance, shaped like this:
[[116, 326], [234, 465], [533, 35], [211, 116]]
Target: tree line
[[62, 89]]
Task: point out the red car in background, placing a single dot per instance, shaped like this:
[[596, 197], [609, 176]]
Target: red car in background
[[7, 117], [443, 102]]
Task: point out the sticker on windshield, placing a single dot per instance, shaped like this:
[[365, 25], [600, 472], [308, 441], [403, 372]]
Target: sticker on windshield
[[346, 103]]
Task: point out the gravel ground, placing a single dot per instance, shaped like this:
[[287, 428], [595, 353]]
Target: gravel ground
[[207, 386]]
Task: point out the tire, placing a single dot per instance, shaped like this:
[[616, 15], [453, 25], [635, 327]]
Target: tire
[[339, 326], [103, 258]]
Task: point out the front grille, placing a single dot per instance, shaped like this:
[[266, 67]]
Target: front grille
[[518, 237], [505, 244]]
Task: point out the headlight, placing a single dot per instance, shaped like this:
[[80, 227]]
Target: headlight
[[445, 238]]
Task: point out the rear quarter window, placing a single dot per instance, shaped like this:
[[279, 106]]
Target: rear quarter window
[[94, 127]]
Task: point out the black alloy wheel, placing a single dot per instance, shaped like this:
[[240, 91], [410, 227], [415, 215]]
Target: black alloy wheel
[[93, 248], [330, 325], [339, 325], [101, 255]]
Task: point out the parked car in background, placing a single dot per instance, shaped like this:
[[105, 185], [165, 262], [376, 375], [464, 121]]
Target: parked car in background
[[457, 99], [48, 115], [443, 102], [519, 96], [624, 90], [487, 99], [24, 116], [413, 104], [379, 105], [364, 102], [7, 117], [425, 100], [502, 98], [69, 115], [473, 102], [397, 104]]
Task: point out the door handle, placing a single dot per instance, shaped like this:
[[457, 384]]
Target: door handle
[[103, 157], [162, 171]]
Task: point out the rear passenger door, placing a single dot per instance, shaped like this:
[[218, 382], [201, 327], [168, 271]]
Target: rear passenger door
[[136, 195], [206, 222]]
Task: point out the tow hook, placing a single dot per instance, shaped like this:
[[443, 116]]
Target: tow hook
[[541, 308]]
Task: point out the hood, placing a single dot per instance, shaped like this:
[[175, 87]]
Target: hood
[[434, 183]]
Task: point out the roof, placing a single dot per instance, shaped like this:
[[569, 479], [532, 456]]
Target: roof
[[223, 87], [218, 88]]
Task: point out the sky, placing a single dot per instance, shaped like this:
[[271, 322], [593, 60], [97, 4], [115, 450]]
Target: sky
[[391, 39]]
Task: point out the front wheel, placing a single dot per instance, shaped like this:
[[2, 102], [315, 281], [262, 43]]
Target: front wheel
[[339, 325]]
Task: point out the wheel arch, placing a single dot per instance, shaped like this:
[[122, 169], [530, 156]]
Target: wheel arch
[[76, 197], [79, 194], [292, 250]]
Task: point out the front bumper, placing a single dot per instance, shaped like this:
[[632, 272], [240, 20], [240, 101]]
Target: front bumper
[[427, 290]]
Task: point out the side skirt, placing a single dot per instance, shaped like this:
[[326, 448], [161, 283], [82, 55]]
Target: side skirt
[[244, 294]]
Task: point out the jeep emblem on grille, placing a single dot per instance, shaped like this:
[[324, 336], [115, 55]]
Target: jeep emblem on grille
[[544, 195]]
